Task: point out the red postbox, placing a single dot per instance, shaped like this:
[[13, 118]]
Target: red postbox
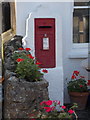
[[45, 42]]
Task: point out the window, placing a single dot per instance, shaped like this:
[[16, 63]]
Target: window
[[6, 20], [81, 22]]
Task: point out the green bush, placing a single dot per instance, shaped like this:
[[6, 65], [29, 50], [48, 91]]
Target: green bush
[[26, 66]]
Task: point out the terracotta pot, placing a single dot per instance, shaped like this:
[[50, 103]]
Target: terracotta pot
[[80, 98]]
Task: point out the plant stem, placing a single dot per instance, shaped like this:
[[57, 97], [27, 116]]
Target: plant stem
[[75, 115]]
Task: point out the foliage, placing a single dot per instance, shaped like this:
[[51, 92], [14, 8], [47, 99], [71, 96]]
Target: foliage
[[77, 83], [27, 66], [53, 110]]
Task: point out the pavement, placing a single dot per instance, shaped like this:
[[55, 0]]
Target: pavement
[[0, 101], [84, 114]]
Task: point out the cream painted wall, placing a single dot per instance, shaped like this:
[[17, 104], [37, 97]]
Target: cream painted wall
[[63, 12]]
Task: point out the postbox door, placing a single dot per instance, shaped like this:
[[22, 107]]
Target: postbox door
[[45, 41]]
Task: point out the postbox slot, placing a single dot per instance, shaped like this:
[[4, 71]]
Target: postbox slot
[[45, 26]]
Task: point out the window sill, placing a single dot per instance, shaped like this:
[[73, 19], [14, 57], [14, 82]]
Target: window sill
[[80, 45], [79, 51]]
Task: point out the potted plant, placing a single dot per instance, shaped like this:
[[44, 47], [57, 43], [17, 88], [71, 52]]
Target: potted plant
[[27, 67], [78, 90], [52, 110]]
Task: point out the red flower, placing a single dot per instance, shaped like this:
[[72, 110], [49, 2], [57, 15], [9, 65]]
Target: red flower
[[21, 49], [49, 102], [48, 109], [38, 63], [19, 60], [30, 56], [52, 108], [82, 77], [55, 101], [76, 73], [73, 77], [71, 111], [27, 49], [45, 71], [88, 83], [58, 102], [63, 107], [43, 102], [81, 86]]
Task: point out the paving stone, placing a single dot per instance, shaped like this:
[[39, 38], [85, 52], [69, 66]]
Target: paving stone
[[83, 114], [0, 109]]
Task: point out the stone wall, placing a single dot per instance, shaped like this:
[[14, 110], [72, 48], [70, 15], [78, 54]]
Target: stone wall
[[20, 96], [9, 47]]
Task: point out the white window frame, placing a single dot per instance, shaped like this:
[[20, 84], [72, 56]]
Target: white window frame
[[79, 50]]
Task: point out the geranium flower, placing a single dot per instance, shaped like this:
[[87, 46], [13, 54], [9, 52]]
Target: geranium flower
[[45, 71], [76, 73], [19, 60], [49, 102], [30, 56], [54, 100], [48, 109], [71, 111], [81, 85], [27, 49], [58, 102], [88, 83], [63, 107], [52, 108], [21, 49], [73, 77], [43, 102], [38, 63]]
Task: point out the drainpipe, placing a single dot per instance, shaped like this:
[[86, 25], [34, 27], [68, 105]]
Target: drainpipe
[[24, 42]]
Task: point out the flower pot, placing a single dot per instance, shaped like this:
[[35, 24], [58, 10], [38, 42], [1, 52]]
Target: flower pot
[[80, 98], [88, 100], [21, 96]]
